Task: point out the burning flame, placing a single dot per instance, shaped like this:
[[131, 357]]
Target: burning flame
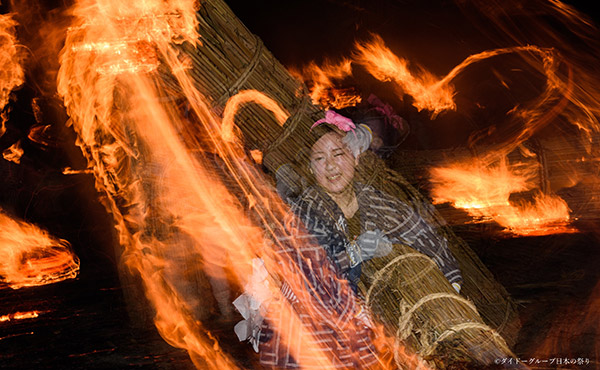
[[11, 72], [322, 81], [483, 187], [20, 316], [13, 153], [245, 97], [31, 257], [88, 81], [429, 92], [179, 193], [484, 192], [3, 120]]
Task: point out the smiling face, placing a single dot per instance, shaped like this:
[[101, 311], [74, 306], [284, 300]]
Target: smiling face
[[332, 163]]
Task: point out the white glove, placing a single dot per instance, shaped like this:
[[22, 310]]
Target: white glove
[[373, 244], [253, 304], [359, 140]]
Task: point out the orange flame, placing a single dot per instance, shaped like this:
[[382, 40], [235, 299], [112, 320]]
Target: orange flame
[[429, 92], [13, 153], [478, 186], [245, 97], [171, 198], [3, 120], [31, 257], [11, 72], [88, 81], [484, 192], [322, 79], [20, 316]]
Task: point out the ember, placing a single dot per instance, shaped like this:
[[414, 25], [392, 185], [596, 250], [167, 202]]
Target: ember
[[32, 257], [184, 198], [11, 74], [20, 316], [485, 194]]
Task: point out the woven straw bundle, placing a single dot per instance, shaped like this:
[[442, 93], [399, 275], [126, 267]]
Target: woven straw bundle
[[408, 293], [405, 290]]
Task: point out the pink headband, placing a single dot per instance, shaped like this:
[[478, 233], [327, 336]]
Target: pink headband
[[343, 123]]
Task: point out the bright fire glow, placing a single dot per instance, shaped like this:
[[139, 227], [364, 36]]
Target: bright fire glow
[[13, 153], [11, 72], [484, 192], [20, 316], [429, 92], [165, 177], [479, 186], [322, 81], [244, 97], [31, 257]]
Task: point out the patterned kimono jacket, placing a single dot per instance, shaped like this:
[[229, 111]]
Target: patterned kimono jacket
[[331, 316], [379, 213]]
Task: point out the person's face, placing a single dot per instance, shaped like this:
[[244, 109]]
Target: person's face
[[332, 163]]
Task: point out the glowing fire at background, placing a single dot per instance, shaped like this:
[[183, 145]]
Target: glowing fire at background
[[496, 92]]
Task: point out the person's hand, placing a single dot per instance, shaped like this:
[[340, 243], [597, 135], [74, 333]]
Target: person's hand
[[358, 140], [288, 182], [373, 244]]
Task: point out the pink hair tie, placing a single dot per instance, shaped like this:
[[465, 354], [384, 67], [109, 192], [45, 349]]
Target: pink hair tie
[[343, 123]]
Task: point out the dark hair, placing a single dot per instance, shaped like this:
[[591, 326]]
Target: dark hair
[[318, 132], [302, 157]]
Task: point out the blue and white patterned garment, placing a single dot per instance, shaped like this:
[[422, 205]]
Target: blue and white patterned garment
[[380, 213]]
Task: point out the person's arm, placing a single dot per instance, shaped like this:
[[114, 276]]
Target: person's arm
[[416, 232]]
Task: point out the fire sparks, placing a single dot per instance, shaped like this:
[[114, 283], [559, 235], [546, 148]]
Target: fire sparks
[[13, 153], [244, 97], [180, 194], [32, 257], [322, 81], [429, 92], [11, 72], [20, 316], [129, 49], [484, 192], [141, 57]]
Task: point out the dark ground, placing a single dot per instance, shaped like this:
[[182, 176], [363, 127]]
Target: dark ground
[[84, 323]]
